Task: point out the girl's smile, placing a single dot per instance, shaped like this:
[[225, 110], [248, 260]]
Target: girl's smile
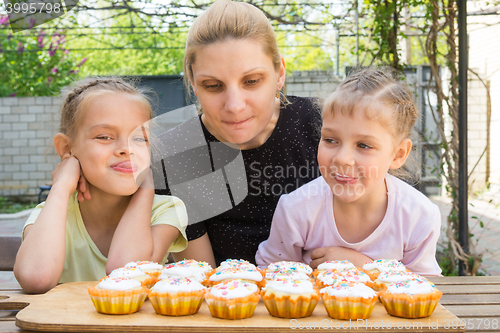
[[354, 155], [125, 167]]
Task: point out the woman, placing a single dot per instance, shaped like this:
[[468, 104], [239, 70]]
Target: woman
[[233, 66]]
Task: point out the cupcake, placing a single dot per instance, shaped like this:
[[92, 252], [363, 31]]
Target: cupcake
[[149, 267], [333, 265], [384, 279], [349, 300], [176, 296], [289, 298], [289, 266], [231, 273], [192, 269], [415, 298], [118, 295], [329, 277], [374, 268], [291, 274], [236, 263], [233, 299], [134, 273]]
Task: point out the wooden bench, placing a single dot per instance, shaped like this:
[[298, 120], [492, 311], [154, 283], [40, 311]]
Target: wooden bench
[[8, 250]]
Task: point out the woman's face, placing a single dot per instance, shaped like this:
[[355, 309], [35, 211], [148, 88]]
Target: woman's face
[[236, 84]]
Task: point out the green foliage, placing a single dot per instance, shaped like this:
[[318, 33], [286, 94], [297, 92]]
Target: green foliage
[[148, 48], [306, 56], [8, 206], [34, 62]]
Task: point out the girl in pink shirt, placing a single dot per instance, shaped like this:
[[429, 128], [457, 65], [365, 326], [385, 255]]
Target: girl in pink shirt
[[357, 210]]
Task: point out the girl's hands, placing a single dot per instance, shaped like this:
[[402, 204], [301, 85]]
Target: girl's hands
[[322, 254], [67, 174]]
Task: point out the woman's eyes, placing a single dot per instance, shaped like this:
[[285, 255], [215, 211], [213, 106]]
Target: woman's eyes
[[218, 86], [213, 86], [252, 82]]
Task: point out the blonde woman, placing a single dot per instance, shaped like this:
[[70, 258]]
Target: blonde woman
[[233, 66]]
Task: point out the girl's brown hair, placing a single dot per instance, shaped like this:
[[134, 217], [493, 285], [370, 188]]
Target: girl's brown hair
[[84, 92], [226, 20], [386, 97]]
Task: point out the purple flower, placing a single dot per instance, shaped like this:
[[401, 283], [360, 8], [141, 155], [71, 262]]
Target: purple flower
[[82, 62], [32, 23], [66, 51], [54, 70], [4, 20], [49, 79], [12, 95], [40, 41], [20, 47]]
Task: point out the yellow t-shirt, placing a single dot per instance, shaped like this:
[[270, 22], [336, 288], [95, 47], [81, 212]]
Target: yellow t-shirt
[[84, 261]]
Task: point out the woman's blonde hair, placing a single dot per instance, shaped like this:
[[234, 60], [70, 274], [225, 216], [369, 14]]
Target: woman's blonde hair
[[226, 20], [85, 91]]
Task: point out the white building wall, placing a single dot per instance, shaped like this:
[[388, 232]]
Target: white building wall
[[484, 58]]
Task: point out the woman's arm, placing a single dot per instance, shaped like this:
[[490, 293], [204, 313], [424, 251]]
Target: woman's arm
[[323, 254], [198, 249], [40, 260]]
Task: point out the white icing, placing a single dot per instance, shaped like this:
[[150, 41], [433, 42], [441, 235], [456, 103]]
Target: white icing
[[233, 289], [330, 277], [132, 272], [118, 283], [385, 265], [336, 264], [349, 290], [290, 265], [411, 287], [144, 265], [288, 274], [177, 284], [290, 286], [236, 263], [186, 268], [235, 273], [397, 276]]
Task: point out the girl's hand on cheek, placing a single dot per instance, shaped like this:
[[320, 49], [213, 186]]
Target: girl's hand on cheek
[[83, 188], [67, 174]]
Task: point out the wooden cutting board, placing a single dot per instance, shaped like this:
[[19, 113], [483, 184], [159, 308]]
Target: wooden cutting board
[[68, 308]]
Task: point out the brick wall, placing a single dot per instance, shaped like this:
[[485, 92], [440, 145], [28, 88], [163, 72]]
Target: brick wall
[[311, 83], [27, 157]]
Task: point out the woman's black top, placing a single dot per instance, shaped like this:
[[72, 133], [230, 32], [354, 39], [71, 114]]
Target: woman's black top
[[283, 163]]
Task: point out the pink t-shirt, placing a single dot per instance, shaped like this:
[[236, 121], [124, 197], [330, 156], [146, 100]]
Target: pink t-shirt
[[304, 221]]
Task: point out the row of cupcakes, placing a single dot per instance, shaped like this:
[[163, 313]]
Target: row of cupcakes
[[288, 290]]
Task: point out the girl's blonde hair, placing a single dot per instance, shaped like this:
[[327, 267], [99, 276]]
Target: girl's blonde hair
[[85, 91], [385, 97], [226, 20]]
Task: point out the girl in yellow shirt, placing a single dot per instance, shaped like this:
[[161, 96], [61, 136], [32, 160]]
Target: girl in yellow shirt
[[101, 211]]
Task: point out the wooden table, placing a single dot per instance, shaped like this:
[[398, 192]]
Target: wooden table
[[475, 300]]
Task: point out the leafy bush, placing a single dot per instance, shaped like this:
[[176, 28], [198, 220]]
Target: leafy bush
[[8, 206], [34, 62]]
